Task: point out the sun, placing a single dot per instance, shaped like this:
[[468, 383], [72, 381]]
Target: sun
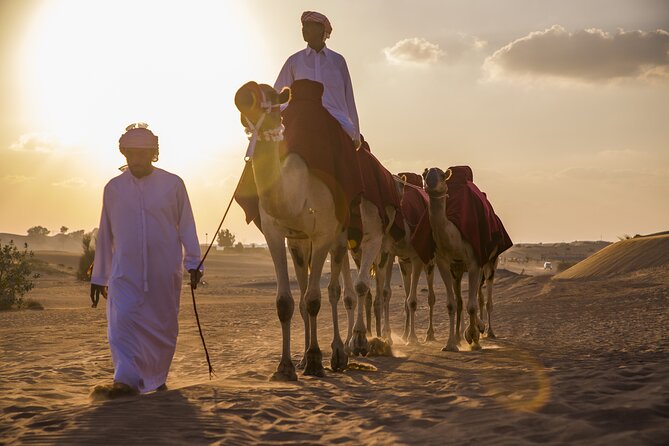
[[89, 68]]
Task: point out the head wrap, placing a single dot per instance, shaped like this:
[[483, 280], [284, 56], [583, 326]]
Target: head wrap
[[138, 138], [312, 16]]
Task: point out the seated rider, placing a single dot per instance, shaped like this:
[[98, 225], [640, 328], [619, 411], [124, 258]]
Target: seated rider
[[319, 63]]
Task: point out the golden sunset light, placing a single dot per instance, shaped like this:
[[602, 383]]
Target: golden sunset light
[[459, 229]]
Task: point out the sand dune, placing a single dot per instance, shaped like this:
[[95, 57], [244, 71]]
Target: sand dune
[[623, 257], [576, 362]]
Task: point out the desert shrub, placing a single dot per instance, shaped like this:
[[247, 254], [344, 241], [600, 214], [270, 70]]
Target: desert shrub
[[86, 259], [16, 275], [31, 304], [564, 265]]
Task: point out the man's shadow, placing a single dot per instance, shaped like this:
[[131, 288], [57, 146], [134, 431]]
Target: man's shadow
[[157, 418]]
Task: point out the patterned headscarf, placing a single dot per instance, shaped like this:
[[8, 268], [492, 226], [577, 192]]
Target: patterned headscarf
[[138, 138], [312, 16]]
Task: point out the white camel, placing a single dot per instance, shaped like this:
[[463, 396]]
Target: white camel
[[454, 256], [297, 206], [411, 266]]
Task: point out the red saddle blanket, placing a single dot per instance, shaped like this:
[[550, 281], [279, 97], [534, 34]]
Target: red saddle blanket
[[312, 133], [415, 211], [471, 212]]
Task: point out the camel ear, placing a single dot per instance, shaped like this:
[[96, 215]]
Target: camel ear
[[284, 96], [245, 99], [425, 173]]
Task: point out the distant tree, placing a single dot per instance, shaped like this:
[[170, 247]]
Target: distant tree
[[76, 234], [38, 231], [226, 238], [239, 246], [86, 259], [15, 275], [63, 229]]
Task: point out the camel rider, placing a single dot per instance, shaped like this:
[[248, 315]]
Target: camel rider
[[147, 232], [319, 63]]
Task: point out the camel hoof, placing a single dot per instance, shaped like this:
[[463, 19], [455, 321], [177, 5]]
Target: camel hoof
[[429, 337], [412, 340], [359, 344], [303, 363], [450, 348], [339, 359], [314, 365], [476, 346], [284, 372], [468, 336], [316, 370], [491, 334]]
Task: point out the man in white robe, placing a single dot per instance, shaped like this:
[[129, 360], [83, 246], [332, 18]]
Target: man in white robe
[[319, 63], [146, 226]]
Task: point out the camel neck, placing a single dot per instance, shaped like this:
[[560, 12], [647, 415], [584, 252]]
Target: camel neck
[[267, 171]]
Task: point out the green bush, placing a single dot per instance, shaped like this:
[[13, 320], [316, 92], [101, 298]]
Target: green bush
[[86, 259], [15, 275]]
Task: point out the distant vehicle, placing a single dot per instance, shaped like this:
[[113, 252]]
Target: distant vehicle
[[548, 266]]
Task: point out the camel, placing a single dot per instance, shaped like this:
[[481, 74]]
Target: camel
[[411, 266], [297, 206], [454, 256]]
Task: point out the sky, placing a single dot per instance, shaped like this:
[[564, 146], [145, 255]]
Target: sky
[[561, 108]]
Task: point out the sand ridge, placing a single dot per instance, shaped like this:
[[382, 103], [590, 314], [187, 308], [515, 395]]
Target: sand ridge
[[576, 362]]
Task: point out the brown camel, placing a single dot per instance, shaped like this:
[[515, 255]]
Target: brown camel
[[295, 205], [454, 256]]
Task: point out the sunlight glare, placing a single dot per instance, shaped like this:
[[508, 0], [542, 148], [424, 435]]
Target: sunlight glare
[[89, 68]]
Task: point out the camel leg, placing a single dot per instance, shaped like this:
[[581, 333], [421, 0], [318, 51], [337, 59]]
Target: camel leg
[[319, 252], [431, 299], [481, 299], [453, 336], [457, 270], [489, 280], [350, 298], [372, 238], [300, 253], [285, 305], [369, 302], [412, 300], [338, 261], [387, 294], [406, 284], [476, 326], [379, 296]]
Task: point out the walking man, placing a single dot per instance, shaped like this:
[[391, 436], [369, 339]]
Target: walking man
[[146, 227]]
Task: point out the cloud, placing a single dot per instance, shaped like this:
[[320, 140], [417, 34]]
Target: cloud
[[71, 182], [414, 50], [17, 179], [35, 142], [589, 55]]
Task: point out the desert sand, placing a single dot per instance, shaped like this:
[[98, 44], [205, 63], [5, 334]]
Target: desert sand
[[576, 361]]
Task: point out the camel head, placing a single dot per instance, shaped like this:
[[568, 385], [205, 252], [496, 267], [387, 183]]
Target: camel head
[[258, 102], [435, 181]]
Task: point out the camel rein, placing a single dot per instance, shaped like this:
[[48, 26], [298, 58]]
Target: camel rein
[[271, 135]]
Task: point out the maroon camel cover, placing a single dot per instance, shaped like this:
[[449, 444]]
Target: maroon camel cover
[[415, 210], [471, 212]]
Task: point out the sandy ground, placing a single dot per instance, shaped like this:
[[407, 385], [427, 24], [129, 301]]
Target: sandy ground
[[575, 362]]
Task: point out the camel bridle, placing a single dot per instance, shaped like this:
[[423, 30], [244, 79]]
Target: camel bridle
[[444, 180]]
